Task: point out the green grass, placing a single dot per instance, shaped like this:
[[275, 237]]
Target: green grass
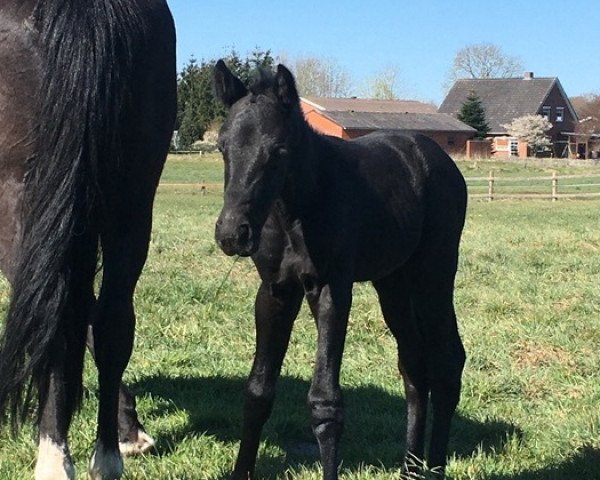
[[193, 168], [529, 310]]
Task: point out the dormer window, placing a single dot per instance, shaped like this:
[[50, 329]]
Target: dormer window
[[560, 114]]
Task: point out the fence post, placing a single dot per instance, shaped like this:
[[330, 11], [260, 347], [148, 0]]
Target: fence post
[[491, 186], [554, 187]]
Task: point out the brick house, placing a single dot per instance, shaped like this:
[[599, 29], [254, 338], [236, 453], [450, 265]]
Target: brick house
[[505, 99], [353, 117]]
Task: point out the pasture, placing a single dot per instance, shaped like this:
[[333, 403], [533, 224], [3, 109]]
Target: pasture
[[528, 302]]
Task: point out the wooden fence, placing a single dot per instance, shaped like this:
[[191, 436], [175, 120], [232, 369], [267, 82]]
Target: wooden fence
[[553, 187], [489, 188]]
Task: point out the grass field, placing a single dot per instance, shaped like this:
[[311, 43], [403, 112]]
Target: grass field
[[530, 177], [528, 301]]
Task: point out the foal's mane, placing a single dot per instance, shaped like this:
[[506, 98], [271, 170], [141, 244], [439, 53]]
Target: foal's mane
[[262, 81]]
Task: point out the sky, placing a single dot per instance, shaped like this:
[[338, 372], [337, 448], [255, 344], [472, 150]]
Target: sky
[[420, 38]]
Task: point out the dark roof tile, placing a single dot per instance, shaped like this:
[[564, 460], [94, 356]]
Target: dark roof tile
[[415, 122]]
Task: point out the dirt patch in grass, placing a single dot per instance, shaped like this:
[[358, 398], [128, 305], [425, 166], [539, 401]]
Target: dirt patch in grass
[[529, 354]]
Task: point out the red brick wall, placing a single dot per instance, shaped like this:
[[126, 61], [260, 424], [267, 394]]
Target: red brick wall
[[501, 147]]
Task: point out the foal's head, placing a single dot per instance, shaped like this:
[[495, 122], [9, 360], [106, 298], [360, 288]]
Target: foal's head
[[256, 139]]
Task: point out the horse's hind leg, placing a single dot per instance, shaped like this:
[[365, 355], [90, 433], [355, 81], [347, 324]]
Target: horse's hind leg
[[133, 439], [65, 369], [394, 297], [124, 247]]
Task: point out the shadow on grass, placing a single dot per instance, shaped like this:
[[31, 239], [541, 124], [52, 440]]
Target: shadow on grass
[[373, 433]]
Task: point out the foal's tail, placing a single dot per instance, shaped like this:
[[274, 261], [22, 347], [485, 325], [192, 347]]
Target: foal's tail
[[86, 60]]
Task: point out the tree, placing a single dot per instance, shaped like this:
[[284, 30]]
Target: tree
[[316, 77], [384, 85], [484, 60], [532, 129], [472, 113], [197, 107], [588, 111]]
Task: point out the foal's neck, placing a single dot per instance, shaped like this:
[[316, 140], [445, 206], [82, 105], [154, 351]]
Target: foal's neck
[[302, 186]]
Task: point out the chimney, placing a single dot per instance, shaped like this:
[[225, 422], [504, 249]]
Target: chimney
[[528, 76]]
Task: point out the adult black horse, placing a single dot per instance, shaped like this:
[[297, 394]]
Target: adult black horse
[[87, 104], [318, 213]]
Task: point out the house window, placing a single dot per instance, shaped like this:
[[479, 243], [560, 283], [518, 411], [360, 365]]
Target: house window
[[451, 141], [546, 110], [514, 147], [560, 114]]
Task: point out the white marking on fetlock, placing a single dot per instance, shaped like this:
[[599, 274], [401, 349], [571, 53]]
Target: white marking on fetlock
[[143, 444], [105, 464], [53, 462]]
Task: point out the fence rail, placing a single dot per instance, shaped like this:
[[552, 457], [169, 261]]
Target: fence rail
[[553, 187]]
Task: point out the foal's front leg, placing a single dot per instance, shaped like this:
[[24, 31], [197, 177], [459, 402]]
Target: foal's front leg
[[330, 306], [276, 309]]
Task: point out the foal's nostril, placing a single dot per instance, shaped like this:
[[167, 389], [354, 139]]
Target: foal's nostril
[[243, 234]]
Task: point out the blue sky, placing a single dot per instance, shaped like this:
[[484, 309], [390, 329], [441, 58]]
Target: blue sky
[[419, 38]]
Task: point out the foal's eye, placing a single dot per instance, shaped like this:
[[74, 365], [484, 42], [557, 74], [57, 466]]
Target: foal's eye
[[279, 150]]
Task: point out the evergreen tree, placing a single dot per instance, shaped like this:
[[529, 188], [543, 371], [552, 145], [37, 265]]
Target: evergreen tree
[[197, 108], [473, 114]]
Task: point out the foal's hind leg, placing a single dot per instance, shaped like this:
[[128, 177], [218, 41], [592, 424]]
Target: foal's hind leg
[[394, 297], [133, 439], [432, 279], [276, 309]]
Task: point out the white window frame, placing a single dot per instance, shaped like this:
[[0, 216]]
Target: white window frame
[[513, 147], [547, 112], [560, 114]]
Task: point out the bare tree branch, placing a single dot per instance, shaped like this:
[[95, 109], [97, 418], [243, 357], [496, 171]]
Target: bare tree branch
[[484, 60], [318, 77]]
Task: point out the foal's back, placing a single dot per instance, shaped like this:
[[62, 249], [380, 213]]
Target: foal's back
[[394, 189]]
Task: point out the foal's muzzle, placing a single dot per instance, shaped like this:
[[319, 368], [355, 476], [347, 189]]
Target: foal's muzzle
[[235, 236]]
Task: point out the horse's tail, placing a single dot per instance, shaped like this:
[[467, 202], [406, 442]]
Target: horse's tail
[[86, 64]]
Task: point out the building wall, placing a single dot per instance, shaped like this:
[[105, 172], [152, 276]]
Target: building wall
[[320, 123], [556, 99], [454, 143], [501, 147]]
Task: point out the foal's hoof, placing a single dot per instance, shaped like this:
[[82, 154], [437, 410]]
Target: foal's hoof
[[142, 444]]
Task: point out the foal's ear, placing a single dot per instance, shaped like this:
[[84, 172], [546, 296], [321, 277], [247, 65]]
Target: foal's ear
[[228, 88], [285, 87]]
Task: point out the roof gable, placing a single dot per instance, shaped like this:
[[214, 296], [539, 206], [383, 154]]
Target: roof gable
[[504, 99]]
